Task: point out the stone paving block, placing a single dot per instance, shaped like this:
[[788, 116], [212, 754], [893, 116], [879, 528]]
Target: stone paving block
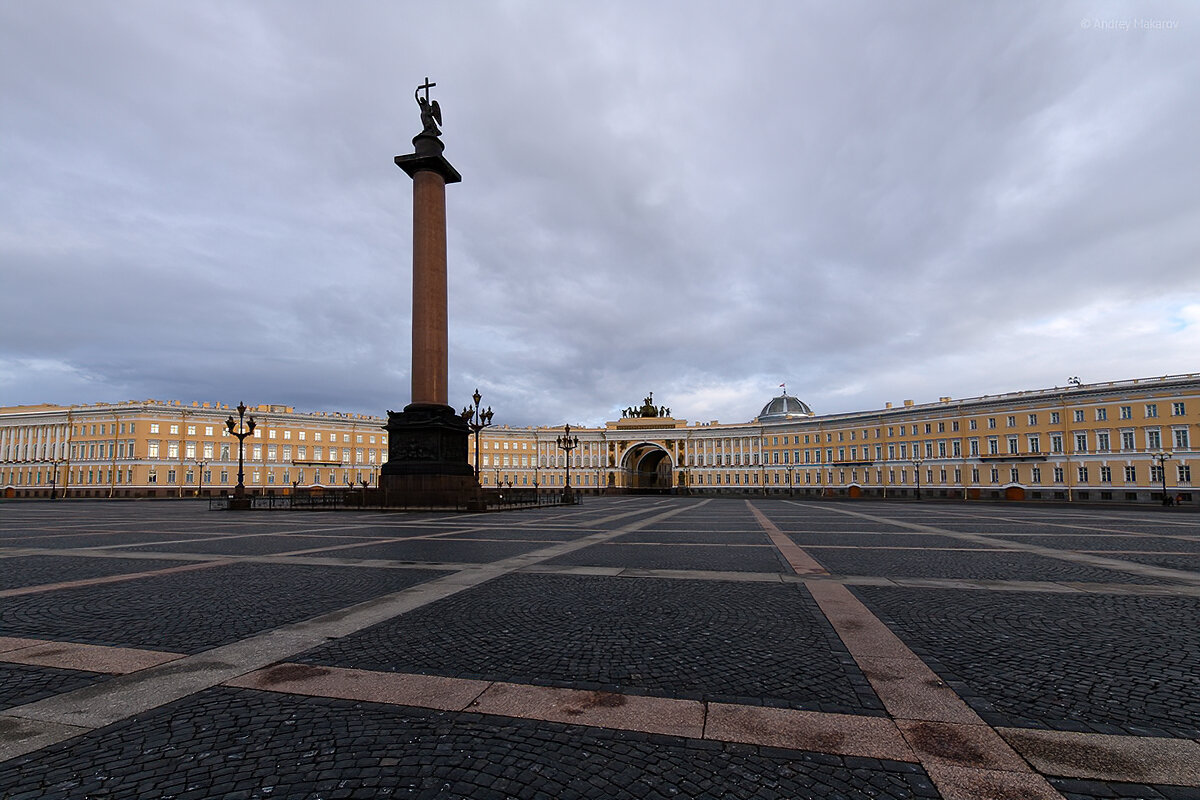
[[843, 734], [692, 535], [249, 545], [980, 565], [698, 557], [965, 783], [598, 709], [522, 534], [92, 540], [1109, 758], [1092, 541], [1189, 562], [957, 745], [455, 551], [94, 658], [423, 691], [897, 539], [23, 683], [193, 611], [1075, 789], [36, 570], [1089, 662], [910, 691], [617, 645], [223, 742], [732, 642]]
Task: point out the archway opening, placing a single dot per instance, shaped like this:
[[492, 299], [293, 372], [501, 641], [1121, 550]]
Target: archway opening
[[649, 468], [1014, 493]]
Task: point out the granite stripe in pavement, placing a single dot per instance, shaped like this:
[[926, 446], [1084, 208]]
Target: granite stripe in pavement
[[801, 562], [839, 734], [1139, 759], [1072, 755], [90, 657], [66, 715], [121, 578], [962, 754], [1134, 568]]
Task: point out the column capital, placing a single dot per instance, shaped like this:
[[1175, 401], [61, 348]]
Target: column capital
[[412, 164]]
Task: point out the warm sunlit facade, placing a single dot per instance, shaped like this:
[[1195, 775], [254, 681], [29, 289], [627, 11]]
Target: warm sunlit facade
[[1111, 441], [1105, 442], [167, 449]]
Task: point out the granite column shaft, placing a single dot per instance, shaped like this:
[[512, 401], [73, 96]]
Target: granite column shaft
[[429, 297]]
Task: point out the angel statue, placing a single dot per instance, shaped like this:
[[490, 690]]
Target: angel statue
[[431, 113]]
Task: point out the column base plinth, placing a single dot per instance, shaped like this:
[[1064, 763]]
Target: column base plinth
[[427, 459]]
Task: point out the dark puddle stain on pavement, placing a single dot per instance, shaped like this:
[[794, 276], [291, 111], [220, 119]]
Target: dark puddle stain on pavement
[[592, 700], [1069, 757], [53, 651], [943, 741]]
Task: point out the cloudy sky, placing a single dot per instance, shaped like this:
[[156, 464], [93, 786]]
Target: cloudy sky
[[871, 202]]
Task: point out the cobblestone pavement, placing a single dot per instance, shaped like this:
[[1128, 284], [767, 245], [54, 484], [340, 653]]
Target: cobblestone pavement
[[21, 571], [232, 743], [1186, 562], [868, 539], [735, 557], [630, 647], [21, 683], [1083, 662], [973, 565], [194, 611], [438, 550], [1073, 541], [718, 641]]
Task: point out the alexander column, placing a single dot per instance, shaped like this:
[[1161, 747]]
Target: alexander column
[[427, 442]]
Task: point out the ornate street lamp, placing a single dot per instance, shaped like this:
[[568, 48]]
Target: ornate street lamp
[[54, 477], [241, 429], [1161, 458], [477, 420], [567, 443], [201, 465], [917, 462]]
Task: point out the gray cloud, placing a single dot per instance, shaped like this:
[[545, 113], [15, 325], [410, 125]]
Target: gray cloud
[[870, 202]]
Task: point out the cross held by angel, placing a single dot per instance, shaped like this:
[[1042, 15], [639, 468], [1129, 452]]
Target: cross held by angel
[[431, 112]]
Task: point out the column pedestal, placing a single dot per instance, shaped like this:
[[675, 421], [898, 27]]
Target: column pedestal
[[427, 458]]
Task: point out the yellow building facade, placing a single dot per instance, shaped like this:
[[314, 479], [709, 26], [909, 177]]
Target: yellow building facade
[[1119, 441], [168, 449]]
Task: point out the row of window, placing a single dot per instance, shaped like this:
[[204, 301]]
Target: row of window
[[1125, 412], [89, 477], [1129, 472], [114, 429], [1183, 475], [254, 477], [207, 450], [1180, 440]]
